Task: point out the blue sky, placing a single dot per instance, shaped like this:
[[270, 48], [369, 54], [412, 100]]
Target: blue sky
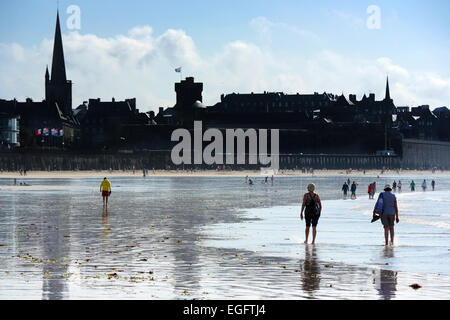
[[326, 43]]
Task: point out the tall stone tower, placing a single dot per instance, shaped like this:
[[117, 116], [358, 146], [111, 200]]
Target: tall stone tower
[[57, 88], [188, 92]]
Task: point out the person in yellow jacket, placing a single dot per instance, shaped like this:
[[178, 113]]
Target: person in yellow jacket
[[105, 189]]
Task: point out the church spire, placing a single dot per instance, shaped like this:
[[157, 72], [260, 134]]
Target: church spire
[[387, 95], [58, 90], [58, 65]]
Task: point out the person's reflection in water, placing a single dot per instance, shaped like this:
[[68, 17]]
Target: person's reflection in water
[[311, 271], [188, 256], [388, 278], [388, 252], [388, 284], [105, 224], [55, 247], [53, 287]]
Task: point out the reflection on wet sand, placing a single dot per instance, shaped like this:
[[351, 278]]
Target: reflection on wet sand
[[387, 285], [55, 246], [186, 253], [388, 252], [105, 224], [311, 271], [151, 243]]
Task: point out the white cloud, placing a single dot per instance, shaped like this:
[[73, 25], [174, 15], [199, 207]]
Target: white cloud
[[268, 29], [141, 64], [387, 65]]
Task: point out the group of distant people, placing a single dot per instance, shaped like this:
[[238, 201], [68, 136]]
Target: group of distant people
[[249, 181], [424, 185], [398, 186], [346, 187], [20, 183], [372, 188]]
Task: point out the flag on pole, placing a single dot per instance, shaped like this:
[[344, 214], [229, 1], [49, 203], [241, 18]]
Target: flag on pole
[[178, 69]]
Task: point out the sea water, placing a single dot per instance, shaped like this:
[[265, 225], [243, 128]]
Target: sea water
[[217, 238], [345, 233]]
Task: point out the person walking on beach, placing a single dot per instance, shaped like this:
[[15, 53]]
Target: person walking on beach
[[399, 186], [345, 189], [313, 207], [412, 185], [394, 186], [433, 184], [389, 214], [353, 190], [105, 189], [369, 190], [424, 185]]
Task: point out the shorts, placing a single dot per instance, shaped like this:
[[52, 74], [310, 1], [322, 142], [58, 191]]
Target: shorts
[[105, 193], [387, 220], [311, 219]]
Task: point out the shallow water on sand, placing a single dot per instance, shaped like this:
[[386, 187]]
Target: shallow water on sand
[[216, 238]]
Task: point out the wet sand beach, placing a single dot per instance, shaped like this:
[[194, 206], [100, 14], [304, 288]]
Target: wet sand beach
[[209, 237]]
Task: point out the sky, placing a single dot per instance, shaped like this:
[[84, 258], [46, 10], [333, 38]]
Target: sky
[[125, 49]]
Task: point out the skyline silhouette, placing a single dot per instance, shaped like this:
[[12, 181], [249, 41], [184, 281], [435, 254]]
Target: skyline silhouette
[[137, 58]]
